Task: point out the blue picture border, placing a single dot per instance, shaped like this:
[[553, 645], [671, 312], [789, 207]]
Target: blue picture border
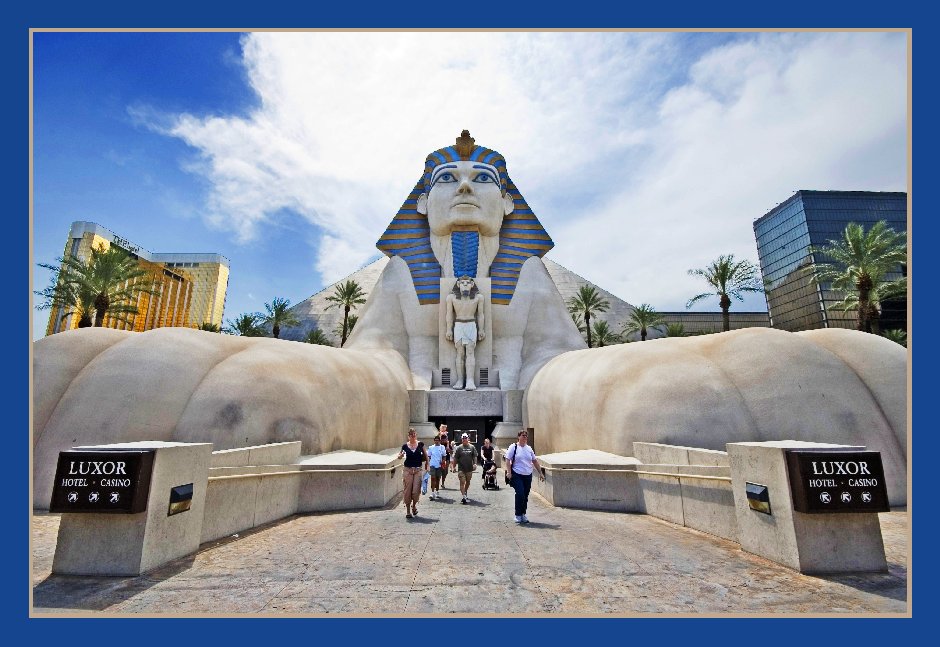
[[173, 14]]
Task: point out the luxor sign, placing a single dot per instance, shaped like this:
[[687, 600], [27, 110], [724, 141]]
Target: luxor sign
[[837, 481], [102, 481]]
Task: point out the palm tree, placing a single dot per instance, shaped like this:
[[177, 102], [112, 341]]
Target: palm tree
[[352, 320], [641, 319], [279, 314], [317, 336], [587, 302], [862, 261], [247, 325], [69, 299], [675, 330], [727, 279], [349, 295], [897, 336], [603, 335], [109, 278], [208, 326], [578, 322]]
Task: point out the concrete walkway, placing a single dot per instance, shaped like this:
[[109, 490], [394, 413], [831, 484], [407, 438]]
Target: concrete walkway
[[472, 559]]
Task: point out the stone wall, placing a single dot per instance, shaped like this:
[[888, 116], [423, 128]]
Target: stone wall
[[97, 386], [831, 386]]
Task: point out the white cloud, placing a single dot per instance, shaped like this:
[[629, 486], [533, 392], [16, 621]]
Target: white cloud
[[757, 120], [635, 180]]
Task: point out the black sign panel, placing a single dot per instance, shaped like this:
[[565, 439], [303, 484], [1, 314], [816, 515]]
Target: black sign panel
[[115, 480], [837, 481], [181, 499]]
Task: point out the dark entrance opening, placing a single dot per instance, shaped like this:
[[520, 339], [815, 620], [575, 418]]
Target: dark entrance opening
[[476, 427]]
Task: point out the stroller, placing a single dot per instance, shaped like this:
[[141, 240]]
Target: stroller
[[489, 474]]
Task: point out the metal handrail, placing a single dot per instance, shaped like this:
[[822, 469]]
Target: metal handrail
[[684, 476], [688, 476], [300, 471]]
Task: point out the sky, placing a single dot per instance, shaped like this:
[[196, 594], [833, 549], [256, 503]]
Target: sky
[[644, 154]]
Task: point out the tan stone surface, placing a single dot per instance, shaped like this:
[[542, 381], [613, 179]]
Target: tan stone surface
[[587, 459], [194, 386], [754, 384], [532, 329], [566, 562]]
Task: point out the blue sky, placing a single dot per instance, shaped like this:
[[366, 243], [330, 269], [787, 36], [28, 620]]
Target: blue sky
[[644, 154]]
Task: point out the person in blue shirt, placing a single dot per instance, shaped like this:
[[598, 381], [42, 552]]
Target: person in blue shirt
[[437, 457]]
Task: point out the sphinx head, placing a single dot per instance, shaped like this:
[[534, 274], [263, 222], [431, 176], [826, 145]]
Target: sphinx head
[[465, 216], [465, 192], [465, 196]]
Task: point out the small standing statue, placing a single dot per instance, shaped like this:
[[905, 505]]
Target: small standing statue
[[465, 328]]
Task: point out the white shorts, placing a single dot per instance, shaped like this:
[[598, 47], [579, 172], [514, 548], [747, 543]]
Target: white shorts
[[465, 332]]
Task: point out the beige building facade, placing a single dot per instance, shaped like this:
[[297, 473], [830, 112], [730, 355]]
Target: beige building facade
[[188, 289]]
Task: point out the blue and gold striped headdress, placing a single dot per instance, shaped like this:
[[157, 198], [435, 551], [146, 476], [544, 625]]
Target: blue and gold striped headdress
[[520, 237]]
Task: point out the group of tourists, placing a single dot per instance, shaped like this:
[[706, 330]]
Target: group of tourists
[[444, 455]]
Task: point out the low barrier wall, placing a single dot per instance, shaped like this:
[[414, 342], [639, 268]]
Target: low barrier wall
[[245, 490], [697, 496], [694, 496]]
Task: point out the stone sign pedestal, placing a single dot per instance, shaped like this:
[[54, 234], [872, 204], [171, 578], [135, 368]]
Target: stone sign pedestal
[[835, 542], [98, 543]]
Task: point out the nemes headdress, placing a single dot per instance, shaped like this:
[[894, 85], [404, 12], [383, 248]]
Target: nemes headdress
[[521, 235]]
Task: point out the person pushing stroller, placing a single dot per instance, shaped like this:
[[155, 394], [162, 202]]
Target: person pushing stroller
[[489, 474], [489, 466]]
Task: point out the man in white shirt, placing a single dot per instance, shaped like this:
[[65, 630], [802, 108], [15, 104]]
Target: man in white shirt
[[520, 461]]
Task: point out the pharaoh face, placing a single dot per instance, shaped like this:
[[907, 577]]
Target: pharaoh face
[[465, 285], [465, 194]]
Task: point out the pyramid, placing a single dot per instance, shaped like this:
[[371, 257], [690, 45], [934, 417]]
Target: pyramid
[[313, 313]]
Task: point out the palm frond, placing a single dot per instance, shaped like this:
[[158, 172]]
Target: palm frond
[[317, 336]]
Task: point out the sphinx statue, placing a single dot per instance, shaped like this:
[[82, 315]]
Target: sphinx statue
[[466, 217]]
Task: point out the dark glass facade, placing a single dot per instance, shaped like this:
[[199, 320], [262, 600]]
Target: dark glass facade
[[703, 323], [813, 218]]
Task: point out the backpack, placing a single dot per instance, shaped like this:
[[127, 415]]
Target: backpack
[[514, 447]]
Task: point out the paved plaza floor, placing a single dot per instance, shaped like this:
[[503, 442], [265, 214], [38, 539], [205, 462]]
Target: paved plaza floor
[[472, 559]]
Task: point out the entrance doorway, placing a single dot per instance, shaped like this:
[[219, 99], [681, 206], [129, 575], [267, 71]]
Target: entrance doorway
[[477, 428]]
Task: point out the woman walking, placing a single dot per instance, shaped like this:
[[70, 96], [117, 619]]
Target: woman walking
[[520, 463], [414, 455], [448, 448]]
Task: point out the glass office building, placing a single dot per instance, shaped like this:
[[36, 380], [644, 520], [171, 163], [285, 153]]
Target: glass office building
[[813, 218], [704, 323], [188, 289]]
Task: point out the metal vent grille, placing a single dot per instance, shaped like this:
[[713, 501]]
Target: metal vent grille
[[445, 376], [484, 377]]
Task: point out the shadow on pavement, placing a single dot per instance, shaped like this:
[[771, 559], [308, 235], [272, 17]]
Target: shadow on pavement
[[96, 593], [420, 519], [539, 524], [883, 585]]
